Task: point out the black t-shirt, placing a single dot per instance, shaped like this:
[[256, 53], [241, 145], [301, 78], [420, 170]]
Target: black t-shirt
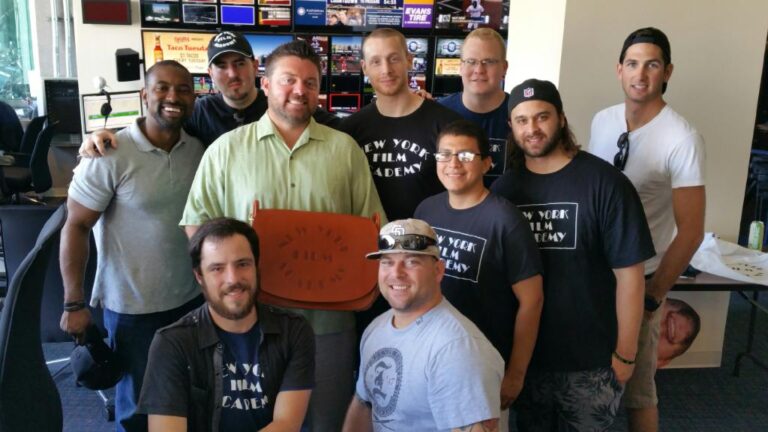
[[400, 152], [486, 249], [587, 220], [213, 118]]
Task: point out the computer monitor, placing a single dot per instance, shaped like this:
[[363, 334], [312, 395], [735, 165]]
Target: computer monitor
[[126, 108], [62, 105]]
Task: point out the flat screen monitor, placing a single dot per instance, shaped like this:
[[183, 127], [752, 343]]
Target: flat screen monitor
[[187, 48], [200, 14], [467, 15], [263, 44], [238, 15], [354, 16], [447, 57], [62, 105], [126, 108], [344, 102], [154, 14], [419, 49]]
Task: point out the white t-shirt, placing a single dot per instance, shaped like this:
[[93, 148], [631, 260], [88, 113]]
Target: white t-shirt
[[665, 154]]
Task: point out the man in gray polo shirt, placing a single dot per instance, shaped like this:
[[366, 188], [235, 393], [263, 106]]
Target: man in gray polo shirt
[[133, 198]]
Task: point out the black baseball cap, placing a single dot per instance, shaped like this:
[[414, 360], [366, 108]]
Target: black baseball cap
[[534, 89], [228, 42], [94, 364]]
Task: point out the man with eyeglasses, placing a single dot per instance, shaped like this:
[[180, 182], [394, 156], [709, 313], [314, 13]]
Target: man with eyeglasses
[[233, 70], [663, 156], [286, 160], [424, 366], [398, 130], [593, 238], [492, 264], [483, 100]]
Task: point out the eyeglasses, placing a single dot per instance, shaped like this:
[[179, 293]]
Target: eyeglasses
[[464, 156], [620, 160], [410, 242], [484, 62]]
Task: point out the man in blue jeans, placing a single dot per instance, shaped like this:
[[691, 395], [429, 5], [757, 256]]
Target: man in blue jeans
[[133, 198]]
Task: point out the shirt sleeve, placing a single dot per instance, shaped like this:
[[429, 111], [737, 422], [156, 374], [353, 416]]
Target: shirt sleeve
[[686, 162], [300, 371], [205, 199], [166, 381], [365, 198], [95, 182], [464, 383], [521, 253], [626, 236]]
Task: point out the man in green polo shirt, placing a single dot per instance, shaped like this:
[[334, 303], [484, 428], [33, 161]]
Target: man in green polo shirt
[[288, 161]]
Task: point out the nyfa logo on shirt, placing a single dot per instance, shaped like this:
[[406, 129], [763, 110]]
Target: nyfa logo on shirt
[[395, 157], [553, 224], [461, 252]]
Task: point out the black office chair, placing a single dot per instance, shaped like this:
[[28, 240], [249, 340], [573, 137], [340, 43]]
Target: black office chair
[[10, 129], [34, 177], [29, 400], [28, 140]]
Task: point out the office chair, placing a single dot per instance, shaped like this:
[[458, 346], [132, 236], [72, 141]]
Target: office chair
[[10, 129], [28, 140], [34, 177], [25, 382]]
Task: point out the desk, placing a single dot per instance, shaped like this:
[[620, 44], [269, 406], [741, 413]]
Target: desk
[[710, 282]]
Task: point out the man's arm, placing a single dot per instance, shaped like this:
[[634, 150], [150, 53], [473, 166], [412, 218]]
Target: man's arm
[[73, 252], [164, 423], [630, 289], [490, 425], [290, 409], [688, 204], [96, 144], [359, 416], [530, 296]]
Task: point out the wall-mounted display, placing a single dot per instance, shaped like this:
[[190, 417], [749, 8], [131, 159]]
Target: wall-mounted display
[[153, 14], [238, 15], [187, 48], [364, 15], [106, 12], [467, 15], [202, 14]]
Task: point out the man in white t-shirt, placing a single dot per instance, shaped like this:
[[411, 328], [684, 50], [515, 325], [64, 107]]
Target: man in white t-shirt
[[663, 156]]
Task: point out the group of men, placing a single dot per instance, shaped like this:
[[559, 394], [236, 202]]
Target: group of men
[[530, 294]]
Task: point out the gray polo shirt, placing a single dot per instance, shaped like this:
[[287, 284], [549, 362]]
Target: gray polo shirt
[[141, 191]]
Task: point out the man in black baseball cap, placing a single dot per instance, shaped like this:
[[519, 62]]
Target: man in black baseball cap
[[593, 238], [228, 42]]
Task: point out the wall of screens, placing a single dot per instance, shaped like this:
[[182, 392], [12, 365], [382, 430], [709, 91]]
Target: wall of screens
[[181, 29]]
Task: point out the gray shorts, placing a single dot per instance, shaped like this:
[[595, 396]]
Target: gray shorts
[[568, 401], [641, 388]]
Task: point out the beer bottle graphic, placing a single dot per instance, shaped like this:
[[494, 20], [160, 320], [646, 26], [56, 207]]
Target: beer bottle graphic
[[158, 49]]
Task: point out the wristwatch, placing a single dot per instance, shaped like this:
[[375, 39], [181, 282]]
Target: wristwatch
[[651, 304]]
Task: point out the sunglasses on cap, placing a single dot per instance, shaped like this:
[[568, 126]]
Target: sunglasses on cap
[[620, 159], [409, 242]]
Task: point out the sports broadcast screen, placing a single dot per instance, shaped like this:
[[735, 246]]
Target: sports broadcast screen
[[357, 15], [467, 15]]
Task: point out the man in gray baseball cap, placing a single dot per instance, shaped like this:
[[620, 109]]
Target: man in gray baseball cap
[[421, 333]]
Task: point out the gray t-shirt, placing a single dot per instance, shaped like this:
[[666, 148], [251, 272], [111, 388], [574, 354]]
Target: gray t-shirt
[[438, 373], [141, 190]]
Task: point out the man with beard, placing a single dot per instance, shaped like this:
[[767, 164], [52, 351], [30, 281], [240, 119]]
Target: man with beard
[[138, 188], [591, 231], [233, 70], [266, 355], [663, 155], [288, 161]]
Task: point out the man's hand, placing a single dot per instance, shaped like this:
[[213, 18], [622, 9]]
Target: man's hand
[[622, 370], [424, 94], [75, 323], [95, 144], [511, 386]]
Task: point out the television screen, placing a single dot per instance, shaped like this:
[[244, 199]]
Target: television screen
[[62, 104], [238, 2], [344, 16], [126, 108], [187, 48], [238, 15], [343, 102], [467, 15], [418, 48], [160, 13], [200, 14], [203, 85], [263, 44], [320, 45], [346, 54]]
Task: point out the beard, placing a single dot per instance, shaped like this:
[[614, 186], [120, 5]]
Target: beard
[[229, 311], [545, 150]]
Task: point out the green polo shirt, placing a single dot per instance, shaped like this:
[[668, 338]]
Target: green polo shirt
[[325, 171]]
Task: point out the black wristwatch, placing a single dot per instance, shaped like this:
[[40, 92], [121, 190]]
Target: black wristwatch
[[651, 304]]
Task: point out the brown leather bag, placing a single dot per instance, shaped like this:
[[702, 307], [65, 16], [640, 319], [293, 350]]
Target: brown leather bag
[[316, 260]]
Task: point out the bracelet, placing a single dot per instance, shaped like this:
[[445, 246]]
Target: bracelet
[[622, 359], [74, 306]]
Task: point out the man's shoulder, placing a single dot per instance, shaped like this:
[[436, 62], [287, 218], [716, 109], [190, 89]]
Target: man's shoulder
[[234, 139], [438, 112], [452, 101], [674, 125], [610, 113], [185, 328]]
